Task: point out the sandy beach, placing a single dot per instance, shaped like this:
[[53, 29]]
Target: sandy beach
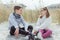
[[4, 33]]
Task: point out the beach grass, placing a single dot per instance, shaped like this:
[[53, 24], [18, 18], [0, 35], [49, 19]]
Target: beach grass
[[29, 15]]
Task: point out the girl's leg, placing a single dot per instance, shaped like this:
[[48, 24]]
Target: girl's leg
[[48, 33]]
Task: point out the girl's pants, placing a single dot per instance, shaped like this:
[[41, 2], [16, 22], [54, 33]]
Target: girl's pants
[[45, 33]]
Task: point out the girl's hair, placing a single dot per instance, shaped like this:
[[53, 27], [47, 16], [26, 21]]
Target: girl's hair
[[47, 14]]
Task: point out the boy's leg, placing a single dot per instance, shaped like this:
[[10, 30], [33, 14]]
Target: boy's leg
[[22, 28], [23, 32], [12, 30], [30, 28]]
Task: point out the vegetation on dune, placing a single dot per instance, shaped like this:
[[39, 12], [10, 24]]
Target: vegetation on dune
[[29, 15]]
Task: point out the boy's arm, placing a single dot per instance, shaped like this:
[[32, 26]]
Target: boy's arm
[[15, 24], [24, 23], [12, 20]]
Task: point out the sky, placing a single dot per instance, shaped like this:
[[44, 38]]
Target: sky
[[32, 4]]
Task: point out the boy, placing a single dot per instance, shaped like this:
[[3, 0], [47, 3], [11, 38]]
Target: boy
[[15, 20]]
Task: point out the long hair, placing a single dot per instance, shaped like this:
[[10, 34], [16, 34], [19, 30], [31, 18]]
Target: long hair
[[47, 13]]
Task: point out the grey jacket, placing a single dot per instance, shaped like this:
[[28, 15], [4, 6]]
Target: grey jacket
[[16, 22]]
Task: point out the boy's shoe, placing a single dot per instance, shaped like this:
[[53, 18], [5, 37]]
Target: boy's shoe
[[37, 39], [31, 37]]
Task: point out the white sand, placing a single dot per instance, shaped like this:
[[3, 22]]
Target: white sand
[[4, 33]]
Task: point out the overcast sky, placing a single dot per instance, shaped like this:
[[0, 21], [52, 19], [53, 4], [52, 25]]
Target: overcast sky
[[32, 4]]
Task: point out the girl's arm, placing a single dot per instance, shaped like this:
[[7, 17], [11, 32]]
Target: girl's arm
[[37, 26], [38, 22]]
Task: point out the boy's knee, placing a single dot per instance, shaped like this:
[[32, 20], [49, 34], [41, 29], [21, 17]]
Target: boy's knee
[[30, 28]]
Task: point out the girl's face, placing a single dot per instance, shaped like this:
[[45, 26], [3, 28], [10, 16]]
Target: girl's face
[[43, 12]]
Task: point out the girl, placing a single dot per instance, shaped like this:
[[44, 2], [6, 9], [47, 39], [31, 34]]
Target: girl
[[43, 23]]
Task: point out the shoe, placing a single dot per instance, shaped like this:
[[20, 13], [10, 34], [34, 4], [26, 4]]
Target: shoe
[[37, 39]]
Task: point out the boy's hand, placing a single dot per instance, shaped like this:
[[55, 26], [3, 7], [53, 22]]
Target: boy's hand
[[16, 32]]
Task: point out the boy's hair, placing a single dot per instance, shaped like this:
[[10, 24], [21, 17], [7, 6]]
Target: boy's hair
[[17, 7]]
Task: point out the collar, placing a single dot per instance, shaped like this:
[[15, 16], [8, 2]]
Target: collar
[[17, 16]]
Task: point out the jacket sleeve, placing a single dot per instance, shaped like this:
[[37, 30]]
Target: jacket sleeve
[[24, 23], [12, 20], [38, 22], [37, 26]]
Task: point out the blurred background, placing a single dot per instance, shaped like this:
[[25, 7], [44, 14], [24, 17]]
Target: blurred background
[[31, 9]]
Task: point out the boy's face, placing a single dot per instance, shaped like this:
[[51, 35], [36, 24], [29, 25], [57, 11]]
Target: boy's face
[[19, 11]]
